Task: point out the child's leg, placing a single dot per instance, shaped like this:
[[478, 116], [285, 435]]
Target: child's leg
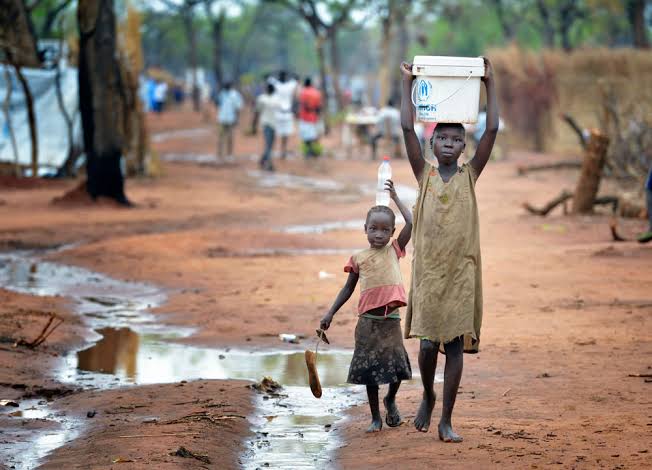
[[452, 377], [220, 141], [427, 365], [393, 417], [376, 422], [229, 139]]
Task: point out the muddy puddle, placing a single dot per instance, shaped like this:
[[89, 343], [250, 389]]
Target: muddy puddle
[[207, 159], [181, 134], [266, 179], [31, 431], [292, 430]]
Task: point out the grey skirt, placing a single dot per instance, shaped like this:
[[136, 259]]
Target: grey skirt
[[379, 356]]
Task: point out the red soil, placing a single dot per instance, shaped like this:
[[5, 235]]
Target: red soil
[[567, 312]]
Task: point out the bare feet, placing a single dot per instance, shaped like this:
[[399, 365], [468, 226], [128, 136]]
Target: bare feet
[[422, 420], [393, 417], [447, 434], [376, 425]]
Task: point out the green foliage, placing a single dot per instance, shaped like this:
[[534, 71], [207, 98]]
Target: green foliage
[[262, 36], [50, 17]]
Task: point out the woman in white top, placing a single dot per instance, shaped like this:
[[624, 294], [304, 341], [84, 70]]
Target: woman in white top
[[285, 89]]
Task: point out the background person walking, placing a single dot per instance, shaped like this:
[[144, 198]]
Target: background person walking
[[286, 89], [229, 103], [267, 106], [309, 110]]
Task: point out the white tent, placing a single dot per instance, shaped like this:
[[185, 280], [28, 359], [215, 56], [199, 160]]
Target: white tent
[[51, 127]]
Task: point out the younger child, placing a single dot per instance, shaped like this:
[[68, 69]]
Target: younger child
[[379, 356]]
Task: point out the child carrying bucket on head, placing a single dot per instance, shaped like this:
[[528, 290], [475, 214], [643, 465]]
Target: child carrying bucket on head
[[379, 356], [445, 304]]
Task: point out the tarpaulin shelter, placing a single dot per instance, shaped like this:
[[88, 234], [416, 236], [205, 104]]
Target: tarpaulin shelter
[[51, 127]]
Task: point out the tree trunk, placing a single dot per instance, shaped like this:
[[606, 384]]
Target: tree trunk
[[589, 180], [187, 15], [283, 45], [31, 116], [10, 130], [134, 131], [384, 63], [67, 168], [636, 15], [401, 52], [244, 43], [335, 67], [548, 29], [321, 59], [508, 27], [569, 12], [101, 99], [17, 33], [50, 17], [218, 28], [565, 34]]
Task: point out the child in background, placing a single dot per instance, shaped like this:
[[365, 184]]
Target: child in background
[[379, 357], [445, 305]]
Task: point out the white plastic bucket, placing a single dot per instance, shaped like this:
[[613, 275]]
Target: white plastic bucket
[[447, 89]]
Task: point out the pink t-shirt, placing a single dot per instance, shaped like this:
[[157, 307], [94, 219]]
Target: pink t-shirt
[[381, 283]]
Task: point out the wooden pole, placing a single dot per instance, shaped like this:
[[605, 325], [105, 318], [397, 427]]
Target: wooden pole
[[592, 165]]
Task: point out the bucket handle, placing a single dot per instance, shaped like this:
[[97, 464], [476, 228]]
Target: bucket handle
[[414, 88]]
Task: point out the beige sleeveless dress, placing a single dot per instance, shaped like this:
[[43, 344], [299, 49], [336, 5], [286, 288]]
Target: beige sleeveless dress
[[445, 299]]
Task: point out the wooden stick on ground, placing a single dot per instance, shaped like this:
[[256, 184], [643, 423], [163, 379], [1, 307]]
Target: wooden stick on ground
[[53, 323], [563, 197]]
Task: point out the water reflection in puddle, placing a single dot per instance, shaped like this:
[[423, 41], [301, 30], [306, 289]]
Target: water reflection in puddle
[[150, 358], [103, 302], [291, 431]]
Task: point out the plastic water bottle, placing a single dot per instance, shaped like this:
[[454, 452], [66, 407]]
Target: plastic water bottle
[[384, 174]]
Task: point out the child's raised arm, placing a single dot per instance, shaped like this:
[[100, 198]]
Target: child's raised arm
[[406, 232], [412, 145], [486, 144], [344, 295]]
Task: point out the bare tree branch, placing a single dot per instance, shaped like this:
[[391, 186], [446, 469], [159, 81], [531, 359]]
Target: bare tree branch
[[51, 17]]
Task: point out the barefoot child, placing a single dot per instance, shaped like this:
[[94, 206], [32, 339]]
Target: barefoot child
[[445, 304], [379, 356]]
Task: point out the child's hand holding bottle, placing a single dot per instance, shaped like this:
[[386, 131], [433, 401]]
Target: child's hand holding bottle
[[389, 186]]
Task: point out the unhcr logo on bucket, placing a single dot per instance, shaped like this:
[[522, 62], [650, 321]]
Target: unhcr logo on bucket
[[424, 88]]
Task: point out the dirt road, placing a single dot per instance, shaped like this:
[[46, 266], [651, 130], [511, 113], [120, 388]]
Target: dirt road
[[244, 257]]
